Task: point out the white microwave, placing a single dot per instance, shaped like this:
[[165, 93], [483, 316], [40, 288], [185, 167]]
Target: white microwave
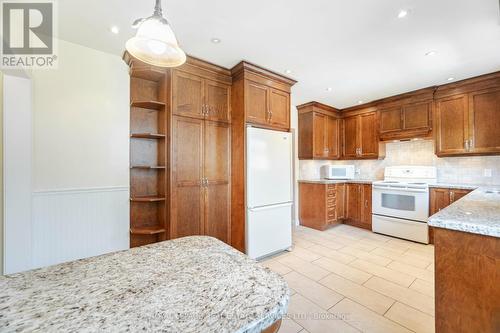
[[337, 171]]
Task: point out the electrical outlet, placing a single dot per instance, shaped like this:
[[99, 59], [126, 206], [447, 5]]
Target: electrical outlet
[[487, 172]]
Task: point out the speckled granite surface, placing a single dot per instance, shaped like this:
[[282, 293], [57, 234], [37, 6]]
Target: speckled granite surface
[[337, 181], [478, 213], [456, 186], [192, 284]]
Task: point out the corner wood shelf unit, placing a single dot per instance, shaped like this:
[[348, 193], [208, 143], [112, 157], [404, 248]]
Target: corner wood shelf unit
[[149, 208]]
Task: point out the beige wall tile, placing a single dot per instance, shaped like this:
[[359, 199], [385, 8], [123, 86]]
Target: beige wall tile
[[411, 318], [404, 295], [319, 294], [314, 319], [402, 279], [343, 270], [364, 319], [365, 296]]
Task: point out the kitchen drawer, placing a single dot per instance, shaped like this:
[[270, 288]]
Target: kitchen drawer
[[331, 202]]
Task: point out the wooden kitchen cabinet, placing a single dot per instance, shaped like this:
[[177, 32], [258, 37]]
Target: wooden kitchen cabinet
[[200, 196], [319, 132], [468, 123], [359, 205], [405, 121], [320, 205], [198, 97], [441, 198], [360, 136]]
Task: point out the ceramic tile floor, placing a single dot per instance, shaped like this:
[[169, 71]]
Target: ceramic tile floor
[[348, 279]]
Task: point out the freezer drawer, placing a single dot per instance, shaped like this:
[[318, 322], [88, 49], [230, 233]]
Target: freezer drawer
[[268, 230], [411, 230]]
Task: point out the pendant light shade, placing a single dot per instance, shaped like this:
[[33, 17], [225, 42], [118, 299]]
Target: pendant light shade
[[155, 42]]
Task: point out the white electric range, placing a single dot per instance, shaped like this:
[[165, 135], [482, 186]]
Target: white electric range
[[400, 203]]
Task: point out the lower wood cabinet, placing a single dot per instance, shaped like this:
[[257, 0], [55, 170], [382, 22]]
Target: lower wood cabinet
[[359, 205], [200, 195], [324, 205], [441, 198]]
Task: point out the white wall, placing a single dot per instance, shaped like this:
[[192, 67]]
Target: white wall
[[80, 191]]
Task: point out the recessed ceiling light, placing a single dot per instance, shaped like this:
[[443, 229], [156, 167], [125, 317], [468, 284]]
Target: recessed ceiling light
[[402, 13], [329, 89], [288, 71], [430, 53], [215, 40], [114, 29], [451, 78]]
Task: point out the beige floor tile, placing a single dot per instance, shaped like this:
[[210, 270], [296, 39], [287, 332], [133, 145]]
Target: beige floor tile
[[304, 254], [333, 254], [402, 279], [304, 267], [360, 294], [368, 256], [313, 318], [364, 319], [411, 318], [319, 294], [378, 237], [423, 287], [409, 259], [426, 255], [324, 242], [277, 267], [343, 270], [404, 295], [364, 245], [289, 326], [420, 273], [302, 243], [431, 267]]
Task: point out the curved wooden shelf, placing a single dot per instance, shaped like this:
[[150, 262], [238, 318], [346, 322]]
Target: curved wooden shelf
[[147, 73], [147, 230], [150, 105], [147, 199], [147, 136]]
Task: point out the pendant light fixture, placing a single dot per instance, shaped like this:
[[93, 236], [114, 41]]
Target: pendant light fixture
[[155, 42]]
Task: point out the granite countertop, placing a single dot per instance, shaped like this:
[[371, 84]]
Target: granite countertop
[[478, 213], [337, 181], [192, 284], [456, 186]]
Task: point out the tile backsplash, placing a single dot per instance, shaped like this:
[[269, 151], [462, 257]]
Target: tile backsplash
[[466, 170]]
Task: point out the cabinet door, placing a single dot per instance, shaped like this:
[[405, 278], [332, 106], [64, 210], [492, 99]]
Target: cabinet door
[[320, 149], [457, 195], [340, 201], [257, 103], [353, 202], [440, 198], [187, 95], [279, 110], [390, 120], [417, 116], [366, 209], [451, 125], [350, 137], [332, 138], [187, 202], [217, 101], [369, 136], [485, 121], [217, 168]]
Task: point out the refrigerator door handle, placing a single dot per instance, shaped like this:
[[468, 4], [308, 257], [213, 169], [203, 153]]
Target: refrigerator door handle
[[258, 209]]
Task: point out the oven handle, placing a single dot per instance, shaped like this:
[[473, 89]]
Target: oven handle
[[401, 189]]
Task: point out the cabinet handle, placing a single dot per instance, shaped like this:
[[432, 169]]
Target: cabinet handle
[[471, 143], [270, 115], [366, 203], [466, 145]]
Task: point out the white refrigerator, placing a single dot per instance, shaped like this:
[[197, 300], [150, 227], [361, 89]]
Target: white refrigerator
[[269, 196]]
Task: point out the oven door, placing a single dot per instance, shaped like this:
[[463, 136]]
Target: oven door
[[405, 203]]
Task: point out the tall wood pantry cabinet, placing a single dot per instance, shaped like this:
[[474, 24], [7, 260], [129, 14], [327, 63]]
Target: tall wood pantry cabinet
[[259, 98]]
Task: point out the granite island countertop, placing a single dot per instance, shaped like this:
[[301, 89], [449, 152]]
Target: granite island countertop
[[478, 212], [191, 284]]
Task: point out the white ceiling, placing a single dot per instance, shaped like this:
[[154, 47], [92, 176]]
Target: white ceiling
[[359, 48]]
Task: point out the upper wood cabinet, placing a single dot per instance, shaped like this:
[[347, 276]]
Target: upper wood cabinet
[[257, 103], [360, 136], [405, 121], [468, 123], [194, 95], [279, 108], [319, 132]]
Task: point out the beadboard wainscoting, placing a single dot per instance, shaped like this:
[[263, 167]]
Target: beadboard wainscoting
[[74, 224]]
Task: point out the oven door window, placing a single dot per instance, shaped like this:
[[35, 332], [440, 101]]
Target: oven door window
[[398, 201]]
